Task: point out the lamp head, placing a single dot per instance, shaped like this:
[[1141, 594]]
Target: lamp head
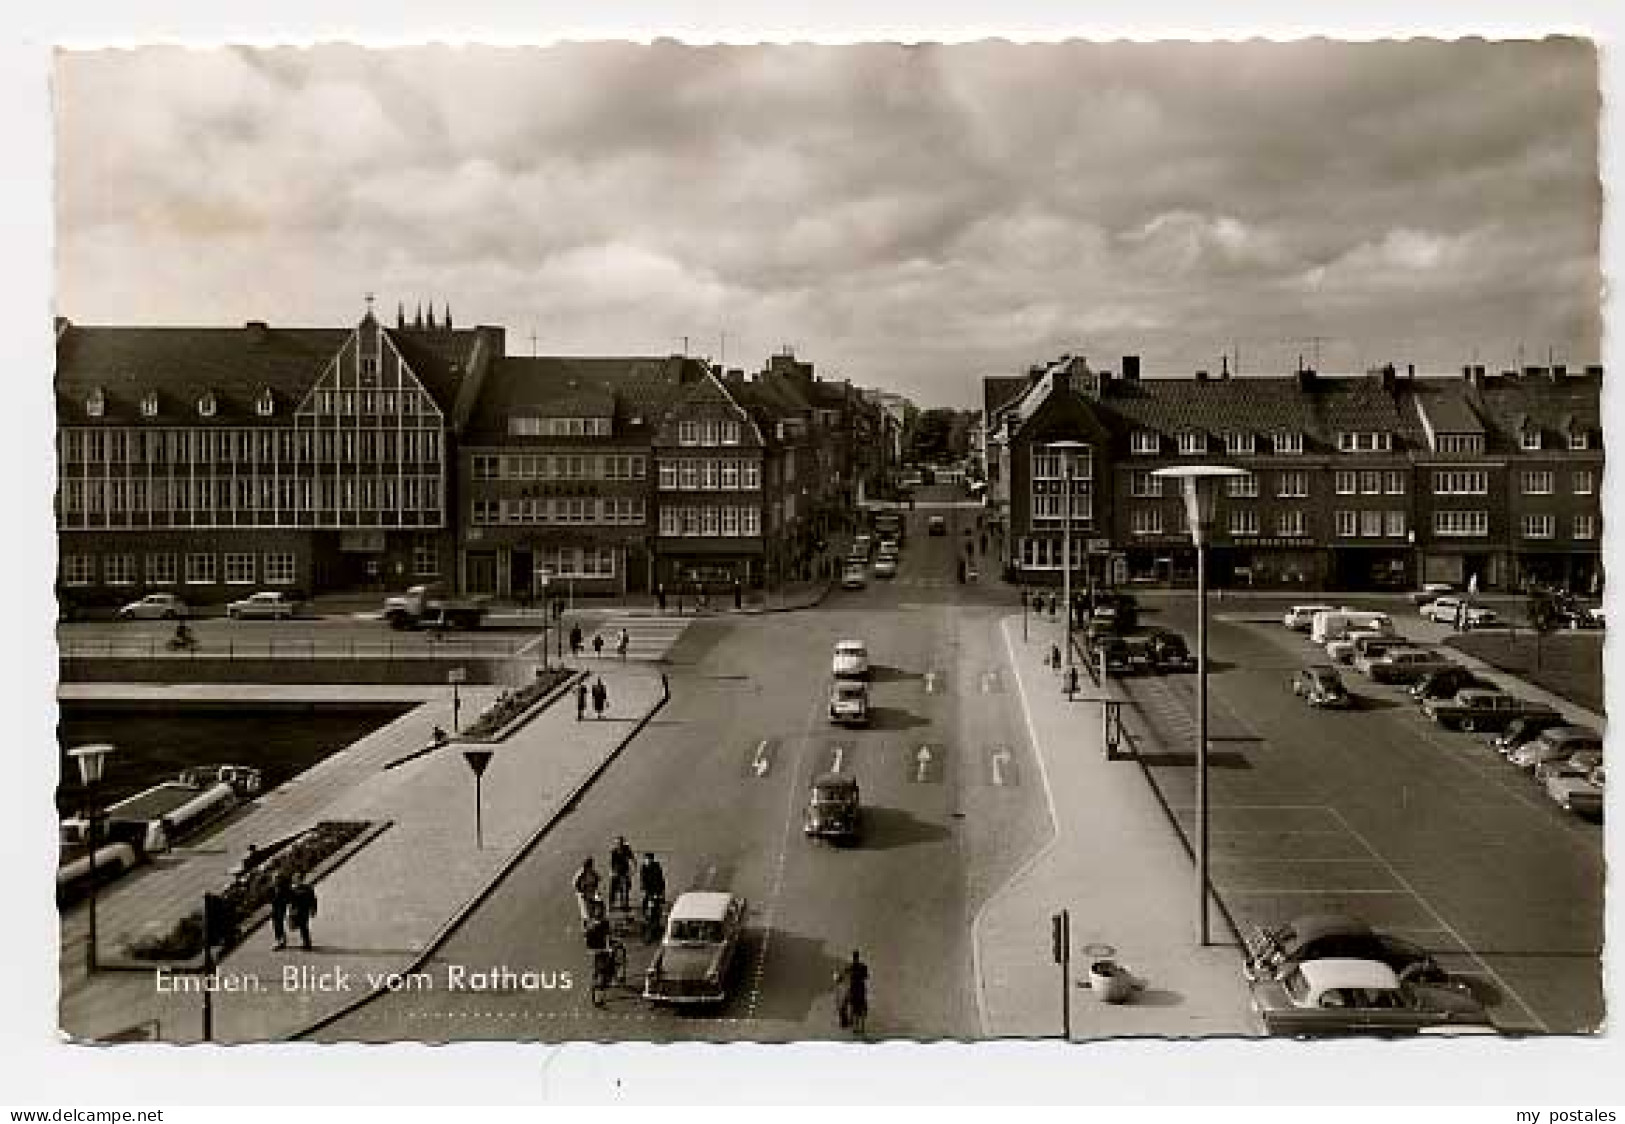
[[92, 760], [1199, 486]]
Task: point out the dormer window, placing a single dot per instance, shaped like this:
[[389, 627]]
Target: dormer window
[[149, 405], [265, 405], [1238, 443], [1289, 442], [1365, 442], [1192, 443], [206, 405], [96, 404], [1145, 441], [1579, 439], [1529, 439]]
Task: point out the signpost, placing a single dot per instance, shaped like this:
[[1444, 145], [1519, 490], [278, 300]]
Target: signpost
[[1061, 947], [477, 760], [456, 676]]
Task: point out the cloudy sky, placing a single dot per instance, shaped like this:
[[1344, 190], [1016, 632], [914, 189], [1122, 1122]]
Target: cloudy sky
[[909, 217]]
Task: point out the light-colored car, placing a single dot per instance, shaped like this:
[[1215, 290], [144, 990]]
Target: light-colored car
[[886, 566], [849, 702], [266, 605], [701, 944], [851, 660], [1347, 996], [1432, 591], [854, 576], [1581, 795], [1401, 665], [155, 607], [972, 574], [1444, 610], [1300, 617], [1556, 745], [1345, 648]]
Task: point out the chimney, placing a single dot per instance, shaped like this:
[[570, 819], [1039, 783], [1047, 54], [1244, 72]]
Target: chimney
[[1306, 377], [1594, 370], [1131, 368], [1410, 370], [1224, 366], [258, 331], [1533, 372], [1560, 371], [1386, 377], [1201, 376]]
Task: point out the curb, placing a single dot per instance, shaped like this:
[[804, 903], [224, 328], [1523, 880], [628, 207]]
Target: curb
[[497, 878]]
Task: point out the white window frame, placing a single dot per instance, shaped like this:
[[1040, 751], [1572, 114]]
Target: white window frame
[[1192, 443], [1585, 482], [1461, 524], [1145, 442], [750, 478], [1529, 440], [1239, 444], [1393, 482], [1146, 521], [118, 569], [78, 569], [1348, 524], [1394, 524], [1291, 524], [1293, 484], [1370, 482], [238, 567], [1289, 443], [1539, 482], [1579, 440], [1144, 484], [161, 568], [1370, 524], [688, 432], [1539, 526], [1347, 482], [202, 568], [1243, 521], [1585, 527]]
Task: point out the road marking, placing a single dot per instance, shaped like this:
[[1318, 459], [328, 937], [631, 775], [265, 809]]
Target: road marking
[[840, 754], [761, 764], [931, 682], [1001, 758], [927, 764]]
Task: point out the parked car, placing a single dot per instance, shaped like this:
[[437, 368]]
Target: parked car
[[1444, 610], [1431, 591], [1580, 794], [1521, 730], [1557, 745], [851, 660], [1168, 651], [936, 525], [853, 576], [266, 605], [1402, 665], [971, 573], [1578, 765], [1348, 996], [834, 809], [155, 607], [1345, 648], [1300, 617], [886, 566], [1445, 682], [849, 702], [701, 944], [1477, 709], [1320, 685], [1271, 952]]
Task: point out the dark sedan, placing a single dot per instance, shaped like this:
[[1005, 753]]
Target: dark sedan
[[1444, 683], [1274, 951], [1320, 685]]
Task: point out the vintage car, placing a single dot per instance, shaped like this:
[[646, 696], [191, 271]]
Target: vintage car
[[851, 660], [936, 525], [154, 607], [1579, 794], [1320, 685], [1401, 665], [1271, 952], [849, 702], [702, 938], [834, 809], [1444, 683], [1300, 617], [1520, 730], [1348, 648], [266, 605], [886, 566], [1557, 745], [1431, 591], [1444, 610], [1168, 651], [1348, 996], [1477, 709]]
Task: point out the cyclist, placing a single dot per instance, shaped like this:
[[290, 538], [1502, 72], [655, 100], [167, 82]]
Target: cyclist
[[586, 888], [853, 982], [602, 947], [621, 860], [652, 881]]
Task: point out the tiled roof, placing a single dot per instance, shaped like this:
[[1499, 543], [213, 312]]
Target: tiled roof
[[439, 357], [574, 386], [1445, 403], [1551, 405], [999, 391], [182, 365]]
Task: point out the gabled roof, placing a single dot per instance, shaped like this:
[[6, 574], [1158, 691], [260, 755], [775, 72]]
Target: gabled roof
[[440, 357], [1562, 405], [999, 391], [1445, 407], [626, 387]]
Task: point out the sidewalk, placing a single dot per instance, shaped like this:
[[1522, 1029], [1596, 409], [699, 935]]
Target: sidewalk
[[387, 906], [794, 596], [1116, 863]]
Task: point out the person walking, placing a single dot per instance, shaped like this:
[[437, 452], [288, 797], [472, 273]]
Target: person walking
[[600, 697], [575, 640], [621, 861], [281, 896], [739, 595], [581, 700], [660, 596], [622, 643], [598, 645], [586, 888], [301, 908], [853, 980]]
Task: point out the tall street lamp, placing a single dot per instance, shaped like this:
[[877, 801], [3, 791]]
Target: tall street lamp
[[92, 760], [1199, 485], [1066, 449]]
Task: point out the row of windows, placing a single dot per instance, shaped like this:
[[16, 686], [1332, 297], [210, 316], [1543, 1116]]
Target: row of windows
[[710, 475], [166, 569], [489, 466], [1459, 443], [1049, 554], [248, 446], [1370, 524], [1149, 521], [605, 511], [1545, 527], [1148, 442], [523, 426], [1288, 485], [387, 403], [1053, 465], [1459, 524], [1370, 483], [708, 431], [721, 522], [1053, 506], [574, 562], [250, 493]]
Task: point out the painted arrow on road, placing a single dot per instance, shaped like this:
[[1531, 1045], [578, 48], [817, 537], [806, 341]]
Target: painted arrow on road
[[762, 762], [930, 682], [1001, 759], [923, 759]]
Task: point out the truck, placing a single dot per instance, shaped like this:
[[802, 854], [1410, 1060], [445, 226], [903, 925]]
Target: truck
[[432, 606]]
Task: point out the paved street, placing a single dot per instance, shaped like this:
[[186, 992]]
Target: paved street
[[716, 786]]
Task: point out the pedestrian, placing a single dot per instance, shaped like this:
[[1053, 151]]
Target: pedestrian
[[598, 645], [660, 596], [621, 861], [622, 643], [1055, 656], [600, 697], [301, 908], [1461, 616], [739, 595], [854, 983], [281, 896], [586, 888], [679, 602], [581, 700], [575, 640]]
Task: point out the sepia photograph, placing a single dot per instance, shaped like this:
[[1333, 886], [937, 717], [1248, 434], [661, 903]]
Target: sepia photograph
[[834, 543]]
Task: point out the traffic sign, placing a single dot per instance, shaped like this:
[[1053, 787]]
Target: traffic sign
[[457, 675], [477, 760]]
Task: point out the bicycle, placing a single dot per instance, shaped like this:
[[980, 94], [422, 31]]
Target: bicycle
[[620, 891], [654, 908], [608, 970]]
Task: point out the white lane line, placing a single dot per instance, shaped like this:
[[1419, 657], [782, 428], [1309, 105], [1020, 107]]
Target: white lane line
[[1001, 758], [840, 755], [1268, 893], [1440, 918]]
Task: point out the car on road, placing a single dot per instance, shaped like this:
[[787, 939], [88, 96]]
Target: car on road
[[1272, 951], [1477, 709], [155, 607], [1402, 665], [971, 573], [936, 525], [886, 566], [701, 945], [834, 809], [854, 576], [1349, 996], [1432, 591], [849, 702], [1300, 617], [1444, 610], [1320, 685], [1445, 682], [1582, 795], [1168, 651], [1352, 645], [851, 660], [862, 546], [1558, 745], [1521, 730], [265, 605]]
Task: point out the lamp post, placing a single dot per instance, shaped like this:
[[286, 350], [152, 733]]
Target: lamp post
[[1066, 449], [92, 760], [456, 677], [1199, 485]]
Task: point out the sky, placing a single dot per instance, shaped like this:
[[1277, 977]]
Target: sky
[[909, 217]]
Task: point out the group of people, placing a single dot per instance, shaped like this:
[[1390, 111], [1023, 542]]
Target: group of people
[[622, 642], [588, 882], [600, 698], [293, 904]]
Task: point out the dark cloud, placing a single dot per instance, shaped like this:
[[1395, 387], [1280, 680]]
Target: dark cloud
[[907, 216]]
